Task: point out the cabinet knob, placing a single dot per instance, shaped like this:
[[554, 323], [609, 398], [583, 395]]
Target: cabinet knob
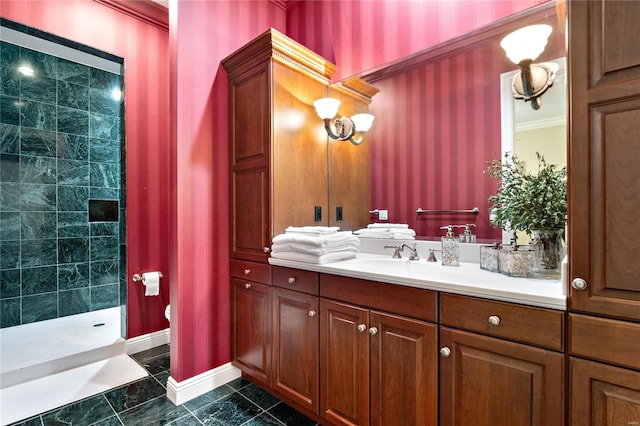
[[247, 271], [247, 285], [494, 320], [312, 313], [445, 352], [266, 249], [373, 331], [579, 284], [362, 328], [292, 280]]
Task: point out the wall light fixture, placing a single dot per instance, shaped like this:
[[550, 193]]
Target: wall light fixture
[[345, 127], [523, 46]]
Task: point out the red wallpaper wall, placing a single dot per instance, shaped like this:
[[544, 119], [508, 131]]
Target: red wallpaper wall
[[145, 49], [359, 35], [202, 34]]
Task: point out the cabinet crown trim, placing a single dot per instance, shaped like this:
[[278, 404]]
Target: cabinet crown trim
[[272, 44]]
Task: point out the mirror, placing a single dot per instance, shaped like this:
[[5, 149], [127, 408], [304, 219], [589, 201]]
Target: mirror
[[438, 122], [526, 132]]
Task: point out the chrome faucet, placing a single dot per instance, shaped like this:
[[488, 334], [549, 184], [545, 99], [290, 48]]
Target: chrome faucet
[[396, 253], [412, 250]]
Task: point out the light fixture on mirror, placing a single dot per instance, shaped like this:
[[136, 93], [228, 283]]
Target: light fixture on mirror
[[345, 127], [522, 47]]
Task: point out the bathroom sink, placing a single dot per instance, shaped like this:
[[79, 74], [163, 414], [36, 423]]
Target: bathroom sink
[[394, 266]]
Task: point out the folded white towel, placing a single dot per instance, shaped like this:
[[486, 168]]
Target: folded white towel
[[388, 225], [389, 231], [312, 230], [318, 251], [385, 236], [309, 258], [313, 240]]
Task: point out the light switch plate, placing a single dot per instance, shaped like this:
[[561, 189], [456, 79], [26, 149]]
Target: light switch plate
[[383, 214]]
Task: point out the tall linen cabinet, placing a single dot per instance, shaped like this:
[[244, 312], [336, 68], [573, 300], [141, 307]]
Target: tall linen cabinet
[[604, 200], [280, 172]]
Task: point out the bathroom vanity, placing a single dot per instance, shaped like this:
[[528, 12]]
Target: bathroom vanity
[[383, 341]]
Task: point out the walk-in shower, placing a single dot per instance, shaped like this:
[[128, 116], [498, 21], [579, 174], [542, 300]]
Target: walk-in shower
[[62, 192]]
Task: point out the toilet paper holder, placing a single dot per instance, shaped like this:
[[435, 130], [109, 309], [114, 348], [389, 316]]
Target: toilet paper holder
[[138, 277]]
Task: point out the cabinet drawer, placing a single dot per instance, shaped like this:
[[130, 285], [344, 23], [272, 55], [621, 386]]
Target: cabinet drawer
[[537, 326], [601, 339], [409, 301], [295, 279], [252, 271]]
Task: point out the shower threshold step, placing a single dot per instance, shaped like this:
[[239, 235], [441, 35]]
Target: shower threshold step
[[27, 399], [40, 349]]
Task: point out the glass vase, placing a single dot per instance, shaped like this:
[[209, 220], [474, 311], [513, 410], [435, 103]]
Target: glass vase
[[548, 246]]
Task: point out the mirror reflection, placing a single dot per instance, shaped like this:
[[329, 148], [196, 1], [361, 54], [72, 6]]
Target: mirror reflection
[[439, 119], [526, 131]]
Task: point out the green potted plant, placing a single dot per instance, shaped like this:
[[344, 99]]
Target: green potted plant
[[534, 203]]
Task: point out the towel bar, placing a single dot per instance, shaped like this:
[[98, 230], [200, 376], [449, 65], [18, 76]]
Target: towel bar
[[474, 210]]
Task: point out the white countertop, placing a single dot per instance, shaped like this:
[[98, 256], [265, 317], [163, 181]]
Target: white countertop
[[467, 279]]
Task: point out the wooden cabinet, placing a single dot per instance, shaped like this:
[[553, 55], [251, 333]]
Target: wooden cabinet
[[376, 367], [603, 395], [295, 367], [251, 316], [279, 169], [278, 161], [604, 177], [486, 380]]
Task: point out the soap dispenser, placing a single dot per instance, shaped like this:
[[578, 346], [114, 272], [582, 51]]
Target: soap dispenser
[[467, 236], [450, 247]]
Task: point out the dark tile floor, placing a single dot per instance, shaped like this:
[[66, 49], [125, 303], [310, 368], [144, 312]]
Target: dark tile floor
[[144, 403]]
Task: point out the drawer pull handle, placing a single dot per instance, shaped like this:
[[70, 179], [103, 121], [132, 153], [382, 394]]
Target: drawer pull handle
[[247, 285], [373, 331], [494, 320], [579, 284], [445, 352], [266, 249], [247, 271], [291, 280], [362, 328], [312, 313]]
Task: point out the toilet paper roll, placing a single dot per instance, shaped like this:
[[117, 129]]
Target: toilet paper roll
[[151, 281]]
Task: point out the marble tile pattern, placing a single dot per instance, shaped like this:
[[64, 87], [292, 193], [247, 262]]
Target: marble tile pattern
[[144, 402], [60, 146]]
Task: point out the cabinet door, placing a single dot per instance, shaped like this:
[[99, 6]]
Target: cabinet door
[[404, 366], [344, 363], [603, 395], [604, 176], [295, 347], [250, 130], [251, 319], [491, 382]]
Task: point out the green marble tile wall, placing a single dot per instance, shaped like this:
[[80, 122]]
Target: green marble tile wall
[[60, 146]]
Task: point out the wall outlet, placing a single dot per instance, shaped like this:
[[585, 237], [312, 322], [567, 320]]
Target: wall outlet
[[339, 214], [383, 214], [318, 214]]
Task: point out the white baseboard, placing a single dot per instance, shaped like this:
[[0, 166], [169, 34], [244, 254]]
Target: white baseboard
[[181, 392], [147, 341]]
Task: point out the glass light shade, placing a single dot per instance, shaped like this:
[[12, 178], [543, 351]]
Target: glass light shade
[[362, 122], [526, 43], [327, 108]]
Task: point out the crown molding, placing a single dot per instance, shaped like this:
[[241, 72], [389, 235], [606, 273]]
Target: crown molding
[[151, 12]]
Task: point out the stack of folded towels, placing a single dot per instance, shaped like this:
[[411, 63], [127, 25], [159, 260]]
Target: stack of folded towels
[[398, 231], [315, 244]]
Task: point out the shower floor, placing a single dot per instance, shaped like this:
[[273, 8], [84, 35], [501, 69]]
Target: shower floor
[[51, 363]]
